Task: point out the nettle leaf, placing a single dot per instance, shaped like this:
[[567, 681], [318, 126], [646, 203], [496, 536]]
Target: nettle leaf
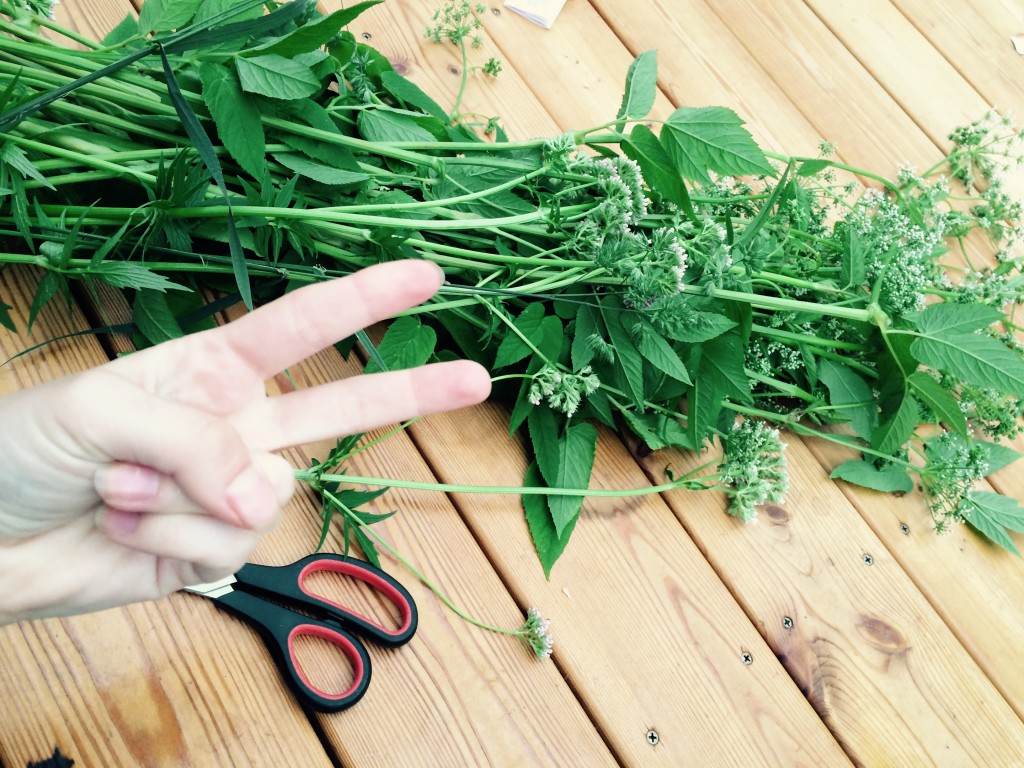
[[992, 514], [325, 174], [656, 165], [407, 343], [154, 318], [411, 94], [276, 77], [130, 274], [998, 456], [718, 375], [658, 430], [463, 179], [565, 459], [630, 361], [893, 434], [700, 326], [512, 348], [313, 35], [949, 318], [391, 125], [974, 358], [939, 401], [888, 479], [165, 15], [641, 88], [582, 351], [549, 543], [851, 394], [660, 353], [236, 116], [699, 139]]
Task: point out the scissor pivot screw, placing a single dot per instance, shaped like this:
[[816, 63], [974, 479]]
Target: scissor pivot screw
[[748, 658], [787, 622], [653, 738]]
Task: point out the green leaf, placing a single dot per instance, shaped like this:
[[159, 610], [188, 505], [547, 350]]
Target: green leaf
[[973, 358], [660, 353], [131, 274], [889, 479], [384, 124], [236, 116], [656, 165], [15, 157], [165, 15], [699, 327], [851, 394], [939, 401], [947, 318], [565, 462], [890, 436], [630, 361], [718, 375], [658, 430], [311, 36], [546, 539], [582, 351], [991, 514], [512, 348], [852, 267], [5, 317], [411, 94], [153, 316], [811, 167], [215, 11], [699, 139], [124, 31], [463, 179], [276, 77], [406, 344], [641, 88], [998, 456], [325, 174], [48, 286]]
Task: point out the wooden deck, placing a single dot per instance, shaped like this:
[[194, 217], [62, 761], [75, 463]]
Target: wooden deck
[[839, 630]]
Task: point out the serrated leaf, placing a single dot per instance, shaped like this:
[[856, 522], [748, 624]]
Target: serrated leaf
[[701, 326], [546, 539], [973, 358], [152, 314], [48, 286], [890, 479], [630, 361], [276, 77], [891, 435], [236, 116], [997, 456], [658, 430], [126, 29], [15, 157], [325, 174], [641, 88], [5, 317], [991, 514], [582, 352], [311, 36], [661, 355], [811, 167], [851, 395], [407, 343], [545, 429], [939, 401], [463, 179], [699, 139], [945, 317], [130, 274], [656, 165], [216, 10], [411, 94], [390, 125], [718, 375], [577, 447], [852, 267], [512, 348], [165, 15]]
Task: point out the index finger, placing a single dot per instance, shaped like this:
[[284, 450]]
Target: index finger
[[309, 319]]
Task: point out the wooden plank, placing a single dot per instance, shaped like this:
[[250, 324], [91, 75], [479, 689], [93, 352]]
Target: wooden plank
[[645, 630], [120, 687]]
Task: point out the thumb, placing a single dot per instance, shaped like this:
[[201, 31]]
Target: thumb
[[115, 420]]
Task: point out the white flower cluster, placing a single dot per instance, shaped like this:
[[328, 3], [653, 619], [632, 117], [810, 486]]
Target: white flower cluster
[[561, 390], [753, 468], [536, 633]]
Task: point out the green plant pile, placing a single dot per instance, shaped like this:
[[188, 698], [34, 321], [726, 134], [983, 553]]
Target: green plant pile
[[676, 282]]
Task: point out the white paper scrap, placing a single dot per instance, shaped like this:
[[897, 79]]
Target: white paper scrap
[[1018, 43], [541, 12]]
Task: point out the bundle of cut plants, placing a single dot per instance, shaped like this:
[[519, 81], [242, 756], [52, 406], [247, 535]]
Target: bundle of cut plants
[[670, 279]]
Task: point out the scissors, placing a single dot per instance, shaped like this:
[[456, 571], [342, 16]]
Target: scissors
[[258, 594]]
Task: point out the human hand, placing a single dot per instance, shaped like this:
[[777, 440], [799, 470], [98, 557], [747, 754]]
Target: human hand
[[155, 471]]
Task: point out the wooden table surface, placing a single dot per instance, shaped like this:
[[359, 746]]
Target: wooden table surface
[[839, 630]]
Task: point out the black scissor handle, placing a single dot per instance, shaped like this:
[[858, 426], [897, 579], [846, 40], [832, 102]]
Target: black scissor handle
[[279, 627], [287, 582]]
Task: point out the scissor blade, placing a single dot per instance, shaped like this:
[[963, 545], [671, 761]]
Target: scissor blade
[[214, 589]]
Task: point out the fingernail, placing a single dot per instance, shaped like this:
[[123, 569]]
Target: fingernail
[[252, 498], [126, 484], [118, 522]]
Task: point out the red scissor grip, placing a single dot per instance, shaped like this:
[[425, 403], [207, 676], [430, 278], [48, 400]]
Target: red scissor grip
[[355, 653]]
